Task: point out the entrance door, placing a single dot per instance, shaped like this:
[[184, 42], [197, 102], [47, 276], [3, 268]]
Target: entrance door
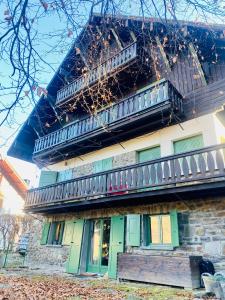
[[75, 247], [98, 257]]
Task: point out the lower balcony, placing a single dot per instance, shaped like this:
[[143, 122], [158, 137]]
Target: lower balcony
[[148, 109], [197, 173]]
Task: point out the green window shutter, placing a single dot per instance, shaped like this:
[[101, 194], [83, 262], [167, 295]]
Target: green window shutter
[[188, 144], [133, 230], [146, 230], [174, 228], [103, 165], [97, 166], [45, 230], [61, 232], [47, 178], [107, 164], [65, 175], [149, 154], [116, 243], [73, 262], [68, 232]]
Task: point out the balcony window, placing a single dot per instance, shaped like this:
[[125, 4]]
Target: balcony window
[[188, 144]]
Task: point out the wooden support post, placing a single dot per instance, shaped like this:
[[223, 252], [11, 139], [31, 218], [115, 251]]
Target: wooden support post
[[163, 53], [99, 31], [197, 63], [117, 39], [84, 60], [133, 36]]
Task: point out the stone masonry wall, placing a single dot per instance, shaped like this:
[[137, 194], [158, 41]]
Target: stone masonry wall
[[121, 160], [44, 256], [201, 230]]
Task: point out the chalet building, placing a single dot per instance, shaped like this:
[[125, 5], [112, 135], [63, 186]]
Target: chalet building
[[130, 139]]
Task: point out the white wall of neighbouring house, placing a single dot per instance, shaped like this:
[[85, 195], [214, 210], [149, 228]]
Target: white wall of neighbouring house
[[12, 201], [205, 125]]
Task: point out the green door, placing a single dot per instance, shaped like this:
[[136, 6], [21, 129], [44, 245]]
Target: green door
[[75, 247], [147, 155], [116, 243], [98, 258], [188, 144]]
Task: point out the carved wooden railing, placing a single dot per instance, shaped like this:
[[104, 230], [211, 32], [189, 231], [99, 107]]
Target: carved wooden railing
[[196, 166], [158, 93], [110, 65]]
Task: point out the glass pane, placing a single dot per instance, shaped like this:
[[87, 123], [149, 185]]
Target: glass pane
[[105, 242], [155, 230], [95, 242], [166, 230]]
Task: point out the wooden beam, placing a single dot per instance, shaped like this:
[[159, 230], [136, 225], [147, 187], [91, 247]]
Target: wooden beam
[[117, 39], [133, 36], [163, 53], [84, 59], [99, 31], [197, 63]]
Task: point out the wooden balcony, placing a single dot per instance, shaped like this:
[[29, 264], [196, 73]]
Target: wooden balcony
[[156, 99], [198, 170], [108, 67]]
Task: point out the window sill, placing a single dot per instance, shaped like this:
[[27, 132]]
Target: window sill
[[53, 246], [158, 247]]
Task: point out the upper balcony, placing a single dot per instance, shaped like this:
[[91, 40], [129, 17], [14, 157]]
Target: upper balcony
[[182, 176], [128, 117], [108, 67]]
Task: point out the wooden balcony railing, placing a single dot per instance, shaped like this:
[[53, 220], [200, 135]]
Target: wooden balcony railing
[[110, 65], [203, 165], [157, 94]]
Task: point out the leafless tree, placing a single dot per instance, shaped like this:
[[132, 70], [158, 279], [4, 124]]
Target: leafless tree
[[26, 44], [11, 226]]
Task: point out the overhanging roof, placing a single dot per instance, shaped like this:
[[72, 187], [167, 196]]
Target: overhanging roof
[[13, 177], [23, 145]]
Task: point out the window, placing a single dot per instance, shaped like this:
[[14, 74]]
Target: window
[[149, 154], [55, 233], [160, 231], [188, 144]]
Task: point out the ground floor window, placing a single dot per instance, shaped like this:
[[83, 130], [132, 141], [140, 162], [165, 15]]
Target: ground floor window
[[55, 233], [160, 231]]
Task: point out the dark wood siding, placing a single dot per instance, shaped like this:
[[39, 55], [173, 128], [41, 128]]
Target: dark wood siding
[[169, 270], [205, 99]]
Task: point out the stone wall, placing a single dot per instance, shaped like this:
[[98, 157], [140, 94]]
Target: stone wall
[[201, 230], [121, 160], [44, 256]]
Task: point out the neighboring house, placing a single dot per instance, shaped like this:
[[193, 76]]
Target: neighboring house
[[12, 189], [143, 175], [12, 194]]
